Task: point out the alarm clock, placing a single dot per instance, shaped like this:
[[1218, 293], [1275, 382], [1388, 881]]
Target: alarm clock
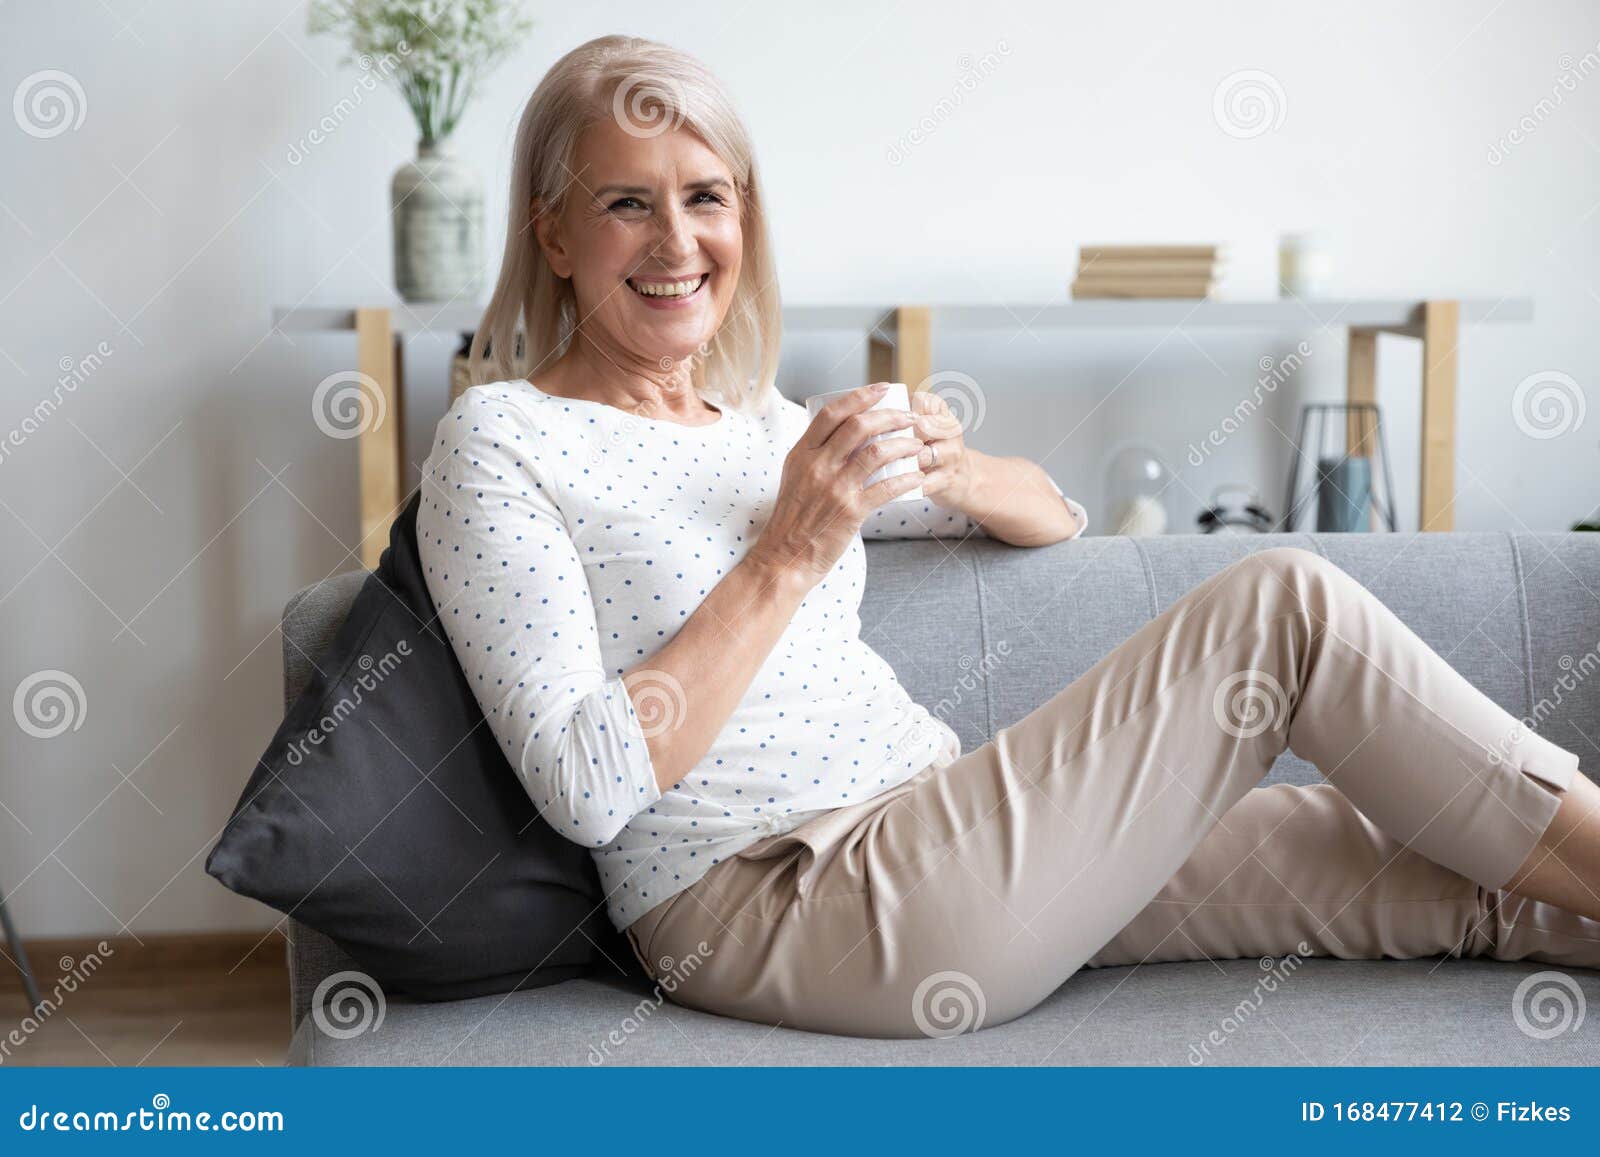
[[1235, 509]]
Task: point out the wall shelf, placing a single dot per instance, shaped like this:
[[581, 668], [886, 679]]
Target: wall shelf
[[1395, 316], [900, 348]]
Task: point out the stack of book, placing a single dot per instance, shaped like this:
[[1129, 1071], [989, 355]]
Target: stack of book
[[1145, 271]]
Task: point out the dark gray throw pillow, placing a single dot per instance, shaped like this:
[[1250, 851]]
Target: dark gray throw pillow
[[384, 815]]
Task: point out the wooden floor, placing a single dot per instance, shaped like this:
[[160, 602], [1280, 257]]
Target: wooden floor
[[171, 1000]]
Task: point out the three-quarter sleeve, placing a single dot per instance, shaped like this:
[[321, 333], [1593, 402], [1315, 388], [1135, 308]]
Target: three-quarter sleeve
[[512, 596]]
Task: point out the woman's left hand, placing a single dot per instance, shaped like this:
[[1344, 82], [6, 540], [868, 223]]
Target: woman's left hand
[[946, 465]]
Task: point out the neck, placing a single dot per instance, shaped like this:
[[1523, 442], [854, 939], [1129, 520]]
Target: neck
[[591, 372]]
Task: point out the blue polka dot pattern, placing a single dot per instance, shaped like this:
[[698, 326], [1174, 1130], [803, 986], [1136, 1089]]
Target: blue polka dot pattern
[[565, 541]]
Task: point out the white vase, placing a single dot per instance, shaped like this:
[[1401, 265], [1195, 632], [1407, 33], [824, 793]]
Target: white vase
[[437, 204]]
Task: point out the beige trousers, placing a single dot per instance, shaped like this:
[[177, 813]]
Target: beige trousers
[[1122, 822]]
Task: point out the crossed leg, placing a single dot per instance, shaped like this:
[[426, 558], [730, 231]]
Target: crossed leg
[[1122, 821], [1301, 870]]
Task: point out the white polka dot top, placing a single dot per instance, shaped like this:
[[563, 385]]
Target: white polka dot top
[[565, 541]]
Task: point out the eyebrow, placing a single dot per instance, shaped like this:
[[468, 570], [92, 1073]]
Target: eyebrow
[[641, 190]]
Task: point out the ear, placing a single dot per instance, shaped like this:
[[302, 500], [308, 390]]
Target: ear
[[547, 231]]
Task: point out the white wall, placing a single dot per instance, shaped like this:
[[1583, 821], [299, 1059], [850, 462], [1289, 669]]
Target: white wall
[[156, 523]]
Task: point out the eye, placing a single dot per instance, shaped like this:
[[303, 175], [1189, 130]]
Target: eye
[[625, 204], [706, 197]]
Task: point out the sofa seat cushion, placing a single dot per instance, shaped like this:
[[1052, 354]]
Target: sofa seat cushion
[[1440, 1011]]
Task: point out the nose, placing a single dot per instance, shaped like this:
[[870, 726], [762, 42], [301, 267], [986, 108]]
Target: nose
[[676, 243]]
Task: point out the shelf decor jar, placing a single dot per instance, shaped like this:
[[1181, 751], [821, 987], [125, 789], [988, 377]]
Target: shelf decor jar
[[1305, 266], [433, 52], [1136, 481]]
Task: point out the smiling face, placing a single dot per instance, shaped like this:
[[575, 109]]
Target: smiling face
[[650, 238]]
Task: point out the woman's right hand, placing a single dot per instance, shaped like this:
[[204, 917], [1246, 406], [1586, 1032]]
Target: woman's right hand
[[822, 500]]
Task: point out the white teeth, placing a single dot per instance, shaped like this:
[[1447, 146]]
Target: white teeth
[[668, 288]]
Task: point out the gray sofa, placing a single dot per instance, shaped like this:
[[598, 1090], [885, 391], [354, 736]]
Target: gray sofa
[[1512, 612]]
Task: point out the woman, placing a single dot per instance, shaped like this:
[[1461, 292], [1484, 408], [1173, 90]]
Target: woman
[[650, 565]]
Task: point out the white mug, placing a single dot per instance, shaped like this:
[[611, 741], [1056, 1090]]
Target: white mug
[[896, 397]]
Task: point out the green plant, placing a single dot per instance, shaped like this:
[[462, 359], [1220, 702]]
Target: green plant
[[433, 51]]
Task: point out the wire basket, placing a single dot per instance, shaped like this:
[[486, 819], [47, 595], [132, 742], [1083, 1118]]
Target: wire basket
[[1343, 483]]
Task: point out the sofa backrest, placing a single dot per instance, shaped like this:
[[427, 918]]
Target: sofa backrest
[[981, 633]]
